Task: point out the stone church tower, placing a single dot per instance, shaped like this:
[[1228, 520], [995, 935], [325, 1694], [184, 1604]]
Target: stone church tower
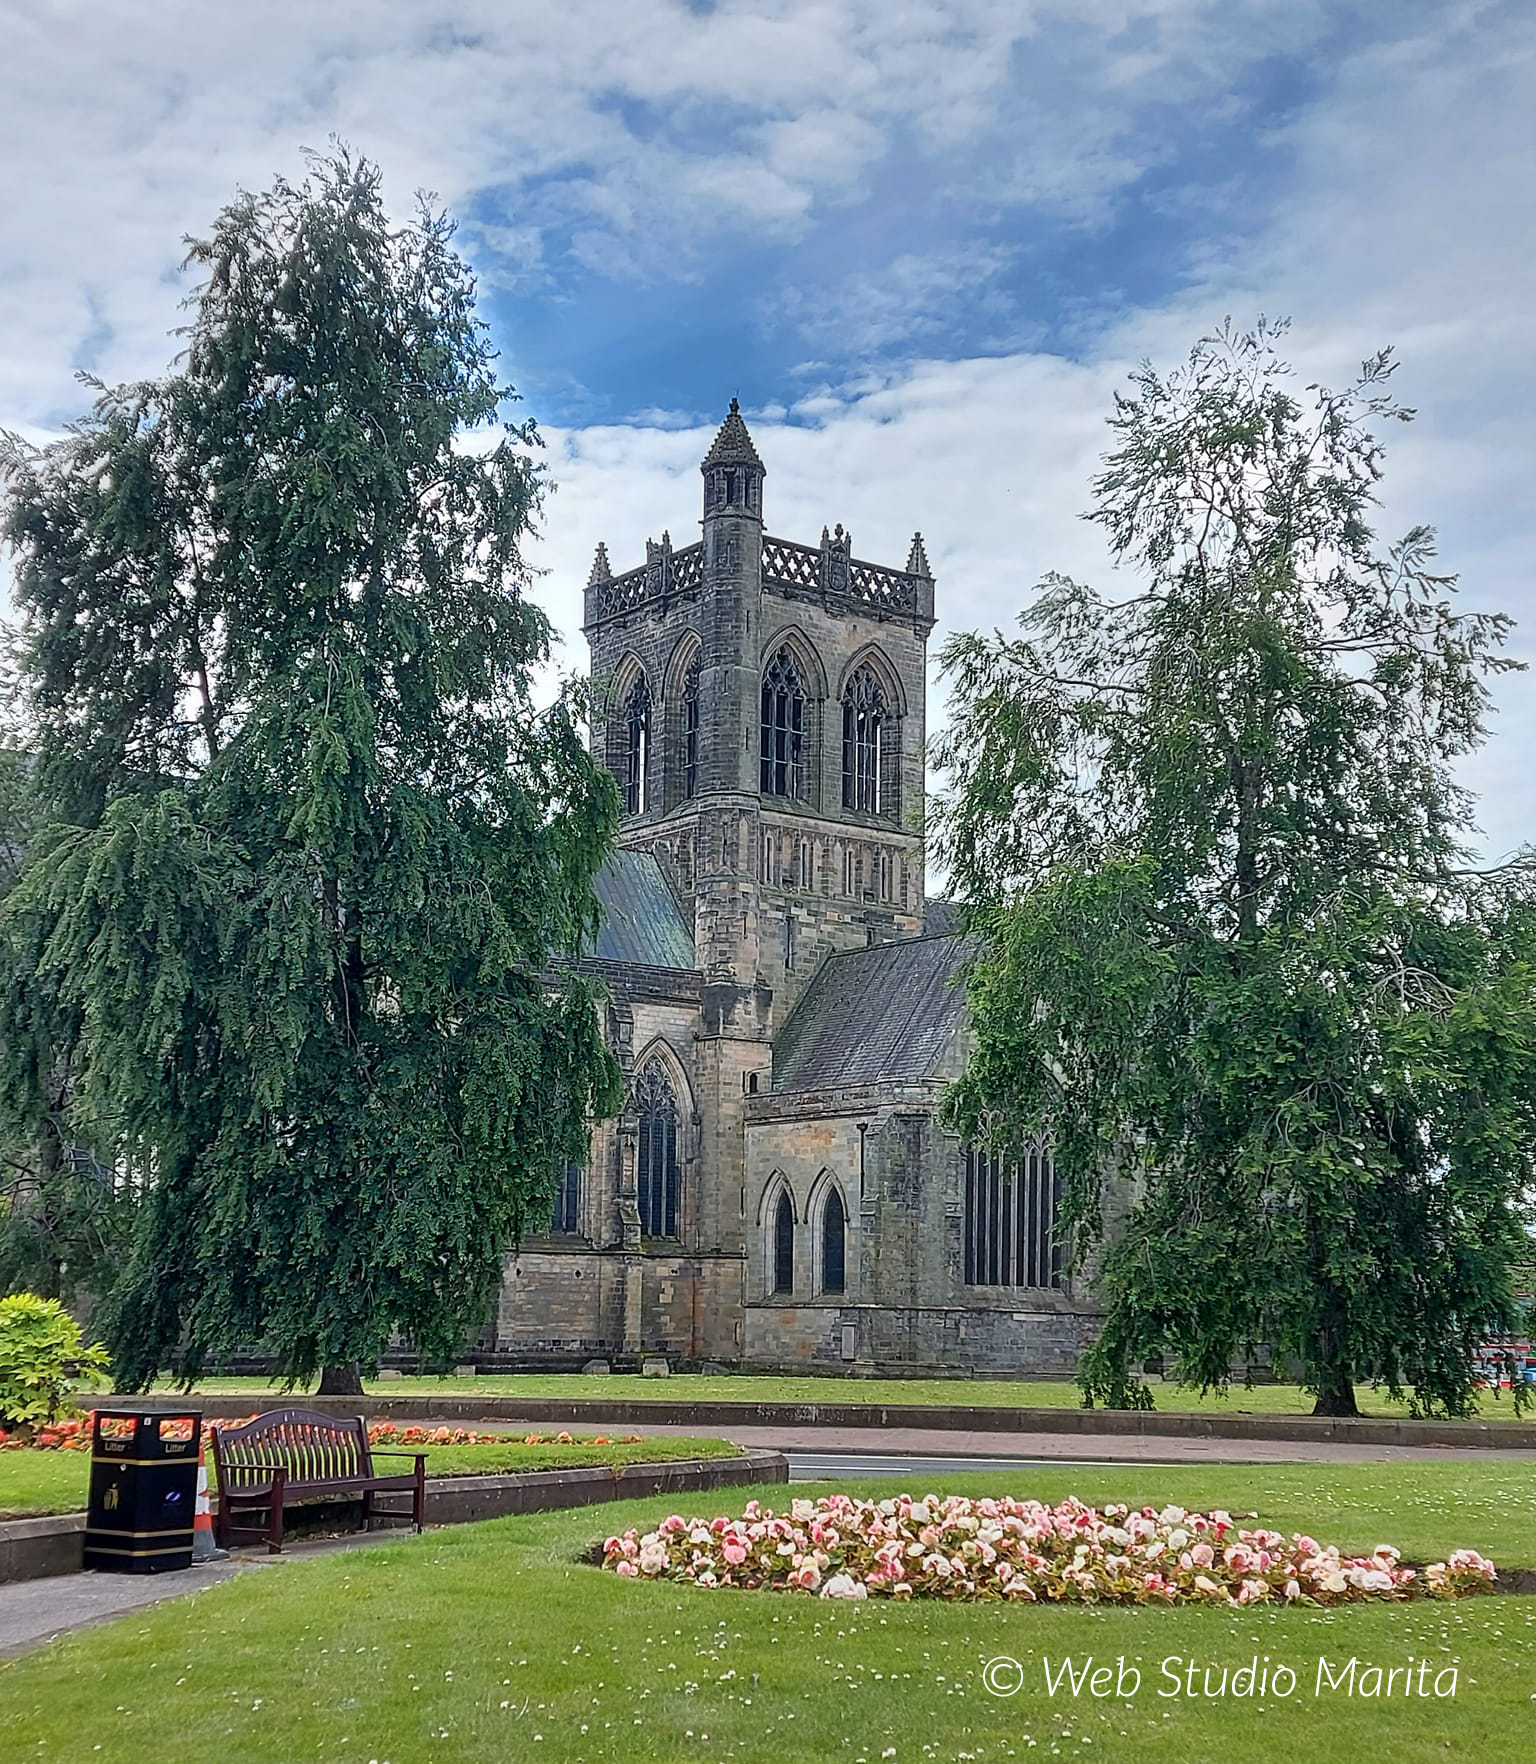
[[761, 703]]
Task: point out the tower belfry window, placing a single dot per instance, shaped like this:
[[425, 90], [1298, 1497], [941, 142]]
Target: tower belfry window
[[637, 744], [783, 729], [691, 729], [864, 737]]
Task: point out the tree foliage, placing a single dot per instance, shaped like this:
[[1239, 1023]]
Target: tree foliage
[[64, 1215], [314, 866], [1231, 954]]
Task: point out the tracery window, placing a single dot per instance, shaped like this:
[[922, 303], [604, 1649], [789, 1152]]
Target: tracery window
[[656, 1172], [691, 730], [566, 1212], [637, 744], [834, 1243], [864, 736], [783, 729], [784, 1244], [1010, 1220]]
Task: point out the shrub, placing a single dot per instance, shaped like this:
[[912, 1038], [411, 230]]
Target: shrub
[[43, 1361]]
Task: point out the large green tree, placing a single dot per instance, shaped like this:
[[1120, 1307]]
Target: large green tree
[[314, 865], [1231, 953]]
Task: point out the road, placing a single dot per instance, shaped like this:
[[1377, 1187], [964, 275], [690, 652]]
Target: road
[[930, 1468]]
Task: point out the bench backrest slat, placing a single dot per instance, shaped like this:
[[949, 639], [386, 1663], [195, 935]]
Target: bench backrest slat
[[311, 1447]]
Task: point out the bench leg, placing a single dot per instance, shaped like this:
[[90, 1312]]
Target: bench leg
[[367, 1509], [419, 1503], [275, 1513]]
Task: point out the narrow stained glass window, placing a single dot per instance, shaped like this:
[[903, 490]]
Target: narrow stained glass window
[[834, 1234], [656, 1176], [691, 730], [784, 1245], [637, 742]]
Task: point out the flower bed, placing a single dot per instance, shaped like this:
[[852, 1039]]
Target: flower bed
[[962, 1549], [75, 1436]]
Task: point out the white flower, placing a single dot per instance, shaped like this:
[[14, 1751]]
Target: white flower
[[844, 1586]]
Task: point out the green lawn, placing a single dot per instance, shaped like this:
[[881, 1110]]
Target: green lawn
[[1262, 1399], [55, 1482], [491, 1643]]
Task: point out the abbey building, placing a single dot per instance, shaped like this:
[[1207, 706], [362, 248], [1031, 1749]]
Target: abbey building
[[777, 1191]]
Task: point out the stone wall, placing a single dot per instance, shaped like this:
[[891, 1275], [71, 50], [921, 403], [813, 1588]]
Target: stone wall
[[905, 1305]]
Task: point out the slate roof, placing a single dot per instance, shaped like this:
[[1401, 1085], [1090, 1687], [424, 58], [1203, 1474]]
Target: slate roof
[[642, 921], [874, 1016], [941, 917]]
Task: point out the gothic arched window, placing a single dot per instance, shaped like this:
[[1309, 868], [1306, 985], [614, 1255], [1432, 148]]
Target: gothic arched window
[[864, 737], [656, 1171], [784, 1244], [834, 1243], [691, 730], [1010, 1220], [637, 746], [783, 728]]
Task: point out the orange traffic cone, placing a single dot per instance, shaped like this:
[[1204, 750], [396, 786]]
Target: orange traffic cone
[[204, 1549]]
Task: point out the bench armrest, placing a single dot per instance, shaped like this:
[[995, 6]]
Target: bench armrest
[[379, 1452]]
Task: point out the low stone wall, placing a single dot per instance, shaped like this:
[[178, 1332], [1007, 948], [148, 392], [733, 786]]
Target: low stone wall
[[709, 1417], [32, 1549]]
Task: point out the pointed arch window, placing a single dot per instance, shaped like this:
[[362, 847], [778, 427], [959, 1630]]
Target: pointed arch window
[[864, 738], [691, 730], [637, 746], [784, 1244], [656, 1170], [783, 728], [834, 1243], [1010, 1220]]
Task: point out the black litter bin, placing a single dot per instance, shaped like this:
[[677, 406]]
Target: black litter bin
[[143, 1499]]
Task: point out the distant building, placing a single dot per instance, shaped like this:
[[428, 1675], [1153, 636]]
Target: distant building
[[777, 1191]]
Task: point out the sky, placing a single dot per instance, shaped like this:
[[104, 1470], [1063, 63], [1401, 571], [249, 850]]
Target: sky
[[923, 240]]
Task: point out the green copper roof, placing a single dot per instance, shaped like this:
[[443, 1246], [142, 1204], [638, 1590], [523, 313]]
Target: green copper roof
[[642, 921]]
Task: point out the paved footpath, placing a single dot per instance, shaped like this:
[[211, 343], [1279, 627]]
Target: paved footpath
[[1093, 1448], [36, 1612]]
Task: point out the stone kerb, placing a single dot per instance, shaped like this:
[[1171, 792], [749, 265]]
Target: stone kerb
[[33, 1549]]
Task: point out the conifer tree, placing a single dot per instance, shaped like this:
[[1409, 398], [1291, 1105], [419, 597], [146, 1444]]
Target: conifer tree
[[314, 867], [1232, 954]]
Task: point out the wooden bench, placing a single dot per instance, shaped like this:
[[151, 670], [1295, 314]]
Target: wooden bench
[[291, 1455]]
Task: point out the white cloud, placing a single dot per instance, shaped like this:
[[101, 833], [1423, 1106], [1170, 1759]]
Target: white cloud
[[1405, 215], [647, 129]]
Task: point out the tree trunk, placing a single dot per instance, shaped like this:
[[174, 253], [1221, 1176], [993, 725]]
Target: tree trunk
[[340, 1380], [1337, 1395]]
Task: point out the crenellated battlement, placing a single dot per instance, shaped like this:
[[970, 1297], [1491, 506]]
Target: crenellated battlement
[[827, 573]]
